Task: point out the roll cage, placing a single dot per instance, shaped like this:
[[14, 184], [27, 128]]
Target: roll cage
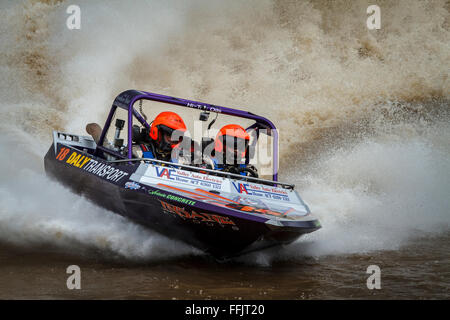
[[126, 100]]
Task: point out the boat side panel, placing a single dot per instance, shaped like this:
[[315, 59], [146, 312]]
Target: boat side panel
[[192, 222]]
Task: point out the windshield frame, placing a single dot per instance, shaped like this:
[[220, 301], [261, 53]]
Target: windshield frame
[[127, 99]]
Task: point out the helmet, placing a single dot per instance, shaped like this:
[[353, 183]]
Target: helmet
[[236, 137], [163, 127]]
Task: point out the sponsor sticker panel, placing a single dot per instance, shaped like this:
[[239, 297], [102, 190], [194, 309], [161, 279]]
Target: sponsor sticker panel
[[82, 161], [266, 192], [183, 177]]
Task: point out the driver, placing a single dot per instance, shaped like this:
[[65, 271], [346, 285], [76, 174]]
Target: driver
[[166, 133], [231, 150]]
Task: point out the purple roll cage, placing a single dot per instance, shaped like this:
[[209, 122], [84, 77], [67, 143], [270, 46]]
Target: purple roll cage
[[126, 100]]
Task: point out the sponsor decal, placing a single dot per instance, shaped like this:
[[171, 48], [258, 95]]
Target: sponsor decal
[[172, 197], [88, 164], [132, 185], [77, 160], [164, 173], [188, 177], [104, 170], [203, 107], [260, 191], [257, 203], [251, 209], [157, 193], [210, 219]]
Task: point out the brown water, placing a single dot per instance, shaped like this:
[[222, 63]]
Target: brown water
[[364, 119], [417, 271]]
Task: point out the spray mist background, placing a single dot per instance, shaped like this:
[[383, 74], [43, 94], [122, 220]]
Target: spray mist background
[[363, 115]]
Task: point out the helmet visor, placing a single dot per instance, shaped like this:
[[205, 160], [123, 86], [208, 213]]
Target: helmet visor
[[170, 136]]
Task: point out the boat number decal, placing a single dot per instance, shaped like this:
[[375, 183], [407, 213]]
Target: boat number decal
[[194, 216], [62, 154], [90, 165]]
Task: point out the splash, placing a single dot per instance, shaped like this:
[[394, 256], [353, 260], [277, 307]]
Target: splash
[[381, 193], [362, 113]]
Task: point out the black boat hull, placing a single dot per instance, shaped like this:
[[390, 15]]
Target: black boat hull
[[218, 231]]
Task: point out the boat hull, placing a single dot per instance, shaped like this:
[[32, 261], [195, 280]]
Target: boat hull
[[218, 230]]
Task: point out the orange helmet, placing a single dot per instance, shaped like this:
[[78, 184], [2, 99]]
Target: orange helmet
[[166, 123], [232, 133]]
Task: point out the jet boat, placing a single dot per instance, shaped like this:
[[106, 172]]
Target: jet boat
[[224, 214]]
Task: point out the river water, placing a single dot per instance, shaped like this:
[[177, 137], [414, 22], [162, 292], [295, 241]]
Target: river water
[[417, 271], [364, 134]]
